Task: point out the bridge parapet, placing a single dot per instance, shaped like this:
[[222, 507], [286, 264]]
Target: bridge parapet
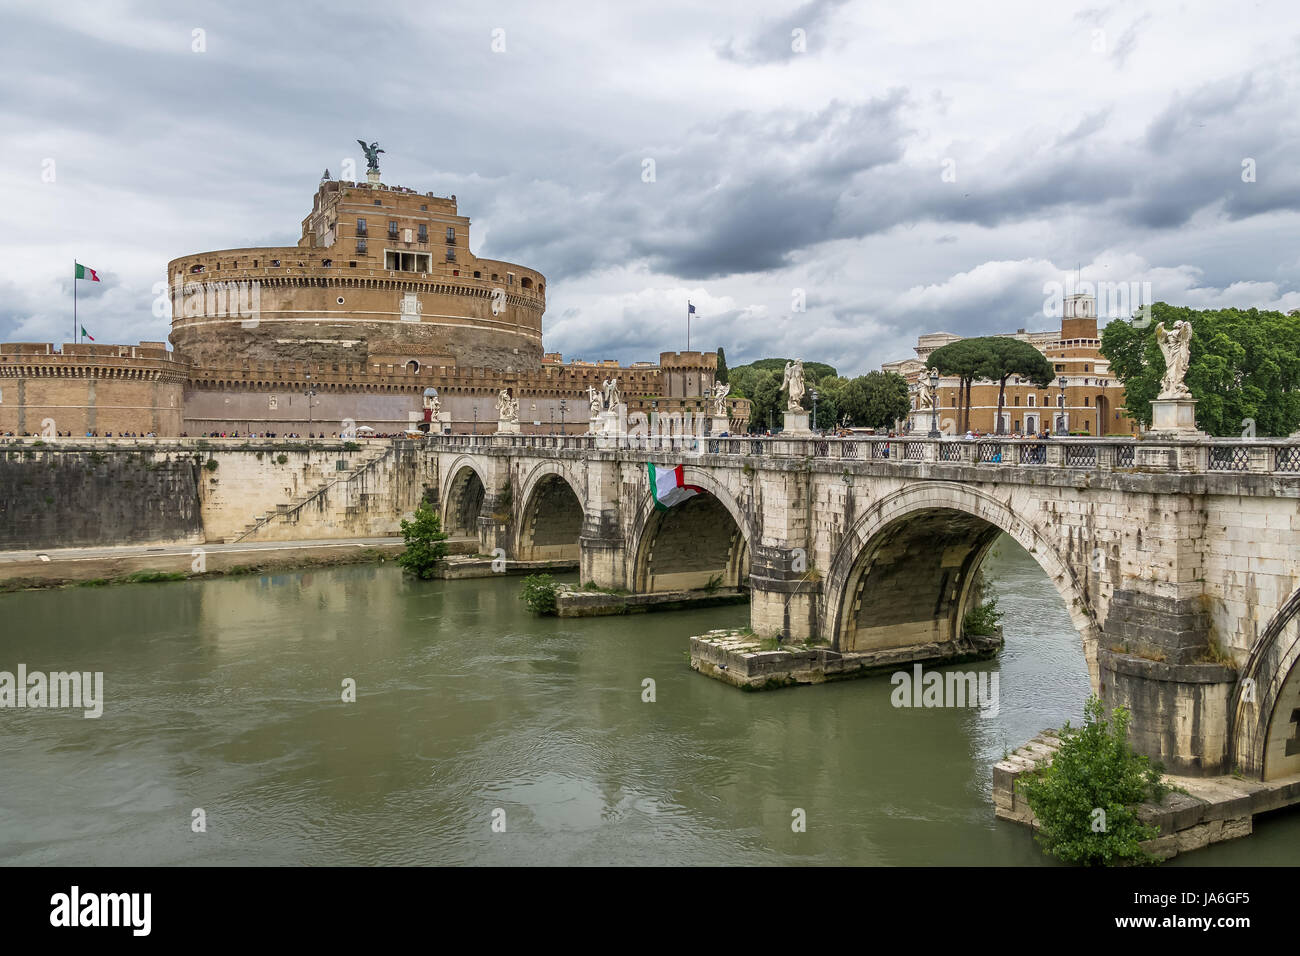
[[1193, 456]]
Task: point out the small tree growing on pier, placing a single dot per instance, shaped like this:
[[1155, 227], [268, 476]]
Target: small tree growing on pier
[[1085, 798], [425, 543], [538, 592]]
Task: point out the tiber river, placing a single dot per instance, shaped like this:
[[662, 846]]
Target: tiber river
[[225, 695]]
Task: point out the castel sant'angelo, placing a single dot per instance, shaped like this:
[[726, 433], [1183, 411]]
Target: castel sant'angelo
[[380, 300]]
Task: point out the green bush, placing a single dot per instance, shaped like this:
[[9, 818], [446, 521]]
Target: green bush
[[425, 543], [982, 620], [210, 464], [351, 446], [281, 459], [1094, 770], [538, 593]]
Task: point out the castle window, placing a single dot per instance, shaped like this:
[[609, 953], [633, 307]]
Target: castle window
[[361, 228], [451, 234], [451, 254], [423, 232], [392, 229], [413, 366], [196, 268], [1030, 401], [407, 261], [275, 263], [477, 274], [378, 203], [352, 264], [361, 247], [326, 263], [526, 282], [424, 207]]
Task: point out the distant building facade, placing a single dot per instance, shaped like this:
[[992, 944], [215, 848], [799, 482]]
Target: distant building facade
[[1093, 399]]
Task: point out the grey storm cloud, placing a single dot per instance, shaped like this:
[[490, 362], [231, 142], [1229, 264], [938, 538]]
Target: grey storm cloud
[[773, 41], [773, 170]]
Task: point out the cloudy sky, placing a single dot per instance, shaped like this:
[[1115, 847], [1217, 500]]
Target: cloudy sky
[[896, 167]]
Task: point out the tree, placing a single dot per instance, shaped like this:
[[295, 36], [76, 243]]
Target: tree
[[877, 399], [812, 370], [1244, 368], [830, 401], [425, 543], [1013, 357], [722, 367], [765, 402], [1084, 799], [968, 359]]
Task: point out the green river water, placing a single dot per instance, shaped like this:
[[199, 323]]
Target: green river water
[[225, 695]]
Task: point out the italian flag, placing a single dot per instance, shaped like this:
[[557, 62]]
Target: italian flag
[[85, 333], [668, 486], [85, 272]]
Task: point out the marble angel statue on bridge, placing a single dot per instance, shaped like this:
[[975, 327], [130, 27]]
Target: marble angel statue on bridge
[[507, 407], [792, 381], [720, 392], [612, 396], [1176, 346]]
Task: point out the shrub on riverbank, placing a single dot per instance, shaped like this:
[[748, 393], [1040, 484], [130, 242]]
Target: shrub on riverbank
[[538, 593], [425, 543], [1085, 798]]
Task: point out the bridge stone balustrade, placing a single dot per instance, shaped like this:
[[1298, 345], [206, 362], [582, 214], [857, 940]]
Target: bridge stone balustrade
[[1178, 560]]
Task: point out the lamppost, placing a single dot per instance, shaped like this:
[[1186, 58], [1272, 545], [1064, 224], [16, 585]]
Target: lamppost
[[476, 416], [1060, 414], [814, 398], [310, 393], [564, 407], [934, 403]]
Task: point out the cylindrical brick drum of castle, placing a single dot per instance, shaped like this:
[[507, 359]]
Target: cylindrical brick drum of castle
[[381, 276]]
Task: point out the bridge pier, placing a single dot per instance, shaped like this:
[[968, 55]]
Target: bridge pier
[[784, 597], [602, 545]]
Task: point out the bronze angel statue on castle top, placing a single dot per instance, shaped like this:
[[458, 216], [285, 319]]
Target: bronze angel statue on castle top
[[372, 154]]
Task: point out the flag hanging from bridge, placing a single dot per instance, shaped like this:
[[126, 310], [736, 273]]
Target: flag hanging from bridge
[[668, 486]]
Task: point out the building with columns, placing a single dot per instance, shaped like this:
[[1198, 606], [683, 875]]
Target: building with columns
[[1093, 401]]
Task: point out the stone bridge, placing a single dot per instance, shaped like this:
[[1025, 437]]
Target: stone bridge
[[1178, 560]]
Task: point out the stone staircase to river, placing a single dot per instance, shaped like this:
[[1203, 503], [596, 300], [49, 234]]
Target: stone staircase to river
[[287, 511]]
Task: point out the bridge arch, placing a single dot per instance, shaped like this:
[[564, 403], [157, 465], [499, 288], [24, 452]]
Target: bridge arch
[[1265, 707], [462, 497], [905, 572], [687, 545], [551, 510]]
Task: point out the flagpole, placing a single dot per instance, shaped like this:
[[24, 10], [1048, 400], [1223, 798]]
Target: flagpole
[[688, 325], [74, 302]]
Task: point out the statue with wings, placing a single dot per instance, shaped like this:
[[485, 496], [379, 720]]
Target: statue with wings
[[792, 383], [1176, 346], [372, 154]]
